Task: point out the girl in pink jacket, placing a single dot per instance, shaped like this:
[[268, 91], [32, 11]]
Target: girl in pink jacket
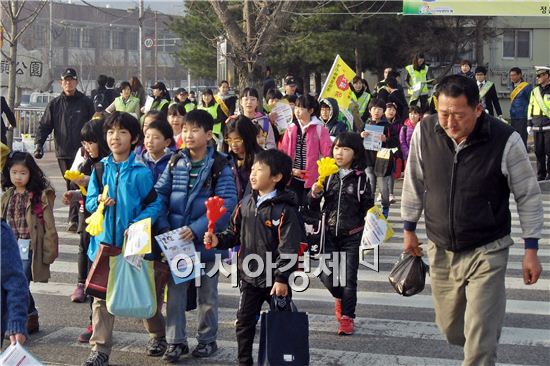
[[305, 141]]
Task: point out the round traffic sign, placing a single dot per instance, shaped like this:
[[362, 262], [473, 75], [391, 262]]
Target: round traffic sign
[[148, 42]]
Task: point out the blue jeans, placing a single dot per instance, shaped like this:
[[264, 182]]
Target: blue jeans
[[207, 305], [28, 273]]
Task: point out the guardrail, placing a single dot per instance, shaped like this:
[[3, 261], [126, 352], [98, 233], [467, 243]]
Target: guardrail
[[28, 119]]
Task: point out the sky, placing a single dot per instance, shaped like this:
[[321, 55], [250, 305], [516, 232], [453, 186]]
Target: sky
[[164, 6]]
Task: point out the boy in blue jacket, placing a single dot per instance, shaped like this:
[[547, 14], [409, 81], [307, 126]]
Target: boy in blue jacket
[[130, 185], [195, 174]]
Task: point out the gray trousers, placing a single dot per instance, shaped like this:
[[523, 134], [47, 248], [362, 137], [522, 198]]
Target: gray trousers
[[470, 298], [384, 187], [208, 303]]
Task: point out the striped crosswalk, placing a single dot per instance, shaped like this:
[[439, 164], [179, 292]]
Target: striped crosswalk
[[390, 329]]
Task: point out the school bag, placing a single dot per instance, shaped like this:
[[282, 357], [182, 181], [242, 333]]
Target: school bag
[[284, 335]]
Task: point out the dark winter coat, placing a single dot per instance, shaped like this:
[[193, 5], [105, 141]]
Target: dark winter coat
[[253, 229], [65, 116], [334, 125], [346, 203]]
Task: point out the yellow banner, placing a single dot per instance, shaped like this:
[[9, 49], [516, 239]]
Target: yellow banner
[[337, 85]]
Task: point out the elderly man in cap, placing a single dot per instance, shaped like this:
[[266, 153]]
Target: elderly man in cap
[[538, 117], [291, 85], [65, 115]]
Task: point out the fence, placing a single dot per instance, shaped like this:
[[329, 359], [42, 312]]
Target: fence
[[27, 124]]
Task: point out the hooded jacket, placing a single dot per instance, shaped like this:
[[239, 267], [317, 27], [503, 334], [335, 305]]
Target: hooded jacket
[[184, 207], [335, 127], [156, 167], [65, 116], [129, 184], [318, 144], [405, 136], [252, 228]]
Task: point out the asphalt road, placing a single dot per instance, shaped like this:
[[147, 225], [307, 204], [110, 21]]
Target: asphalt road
[[390, 329]]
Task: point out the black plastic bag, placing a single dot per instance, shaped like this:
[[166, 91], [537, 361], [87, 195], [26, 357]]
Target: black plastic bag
[[408, 275]]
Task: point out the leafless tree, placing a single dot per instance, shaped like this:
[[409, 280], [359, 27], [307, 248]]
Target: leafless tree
[[17, 16], [262, 20]]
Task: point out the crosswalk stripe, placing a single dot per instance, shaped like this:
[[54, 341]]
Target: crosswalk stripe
[[321, 295], [227, 351]]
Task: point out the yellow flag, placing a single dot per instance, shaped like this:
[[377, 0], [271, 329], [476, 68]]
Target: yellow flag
[[337, 84]]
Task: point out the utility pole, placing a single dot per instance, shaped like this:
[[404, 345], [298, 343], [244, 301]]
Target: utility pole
[[156, 46], [50, 52], [140, 21]]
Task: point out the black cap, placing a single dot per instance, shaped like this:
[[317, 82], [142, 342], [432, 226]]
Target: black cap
[[289, 80], [181, 90], [69, 73], [159, 85]]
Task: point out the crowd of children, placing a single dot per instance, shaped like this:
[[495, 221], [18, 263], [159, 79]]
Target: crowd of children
[[167, 166]]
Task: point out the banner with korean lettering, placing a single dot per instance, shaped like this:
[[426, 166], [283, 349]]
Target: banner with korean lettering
[[30, 69], [337, 85], [477, 7]]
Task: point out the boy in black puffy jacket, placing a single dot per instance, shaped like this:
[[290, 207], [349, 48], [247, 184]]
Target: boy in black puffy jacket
[[258, 232]]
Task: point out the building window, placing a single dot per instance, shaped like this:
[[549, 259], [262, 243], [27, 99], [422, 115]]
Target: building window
[[106, 39], [118, 39], [87, 39], [39, 35], [133, 40], [516, 44], [74, 37]]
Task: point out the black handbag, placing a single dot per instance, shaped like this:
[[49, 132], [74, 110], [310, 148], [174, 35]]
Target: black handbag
[[284, 335]]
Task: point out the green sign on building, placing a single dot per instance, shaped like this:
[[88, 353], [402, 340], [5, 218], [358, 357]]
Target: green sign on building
[[477, 7]]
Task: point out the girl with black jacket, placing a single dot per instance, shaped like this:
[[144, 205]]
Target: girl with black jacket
[[347, 198]]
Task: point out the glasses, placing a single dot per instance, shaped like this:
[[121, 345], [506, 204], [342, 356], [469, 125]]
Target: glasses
[[233, 141]]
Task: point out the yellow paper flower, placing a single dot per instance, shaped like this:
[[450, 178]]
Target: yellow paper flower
[[326, 168], [95, 221], [75, 174]]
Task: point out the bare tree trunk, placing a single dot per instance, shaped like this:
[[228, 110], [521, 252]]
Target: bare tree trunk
[[13, 57], [358, 66]]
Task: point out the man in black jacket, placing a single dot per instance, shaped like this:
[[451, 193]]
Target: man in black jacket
[[462, 166], [11, 119], [65, 116], [487, 92]]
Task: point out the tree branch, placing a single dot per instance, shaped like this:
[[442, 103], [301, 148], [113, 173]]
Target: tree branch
[[36, 12], [234, 33]]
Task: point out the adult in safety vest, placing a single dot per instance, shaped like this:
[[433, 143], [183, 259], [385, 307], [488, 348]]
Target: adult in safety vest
[[226, 99], [520, 93], [417, 80], [161, 98], [487, 92], [538, 117], [182, 96], [360, 96], [209, 104], [126, 102]]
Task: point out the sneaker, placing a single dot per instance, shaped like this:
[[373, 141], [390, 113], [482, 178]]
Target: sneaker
[[72, 227], [338, 309], [156, 346], [32, 323], [78, 294], [379, 197], [174, 352], [85, 337], [204, 350], [346, 326], [392, 198], [97, 359]]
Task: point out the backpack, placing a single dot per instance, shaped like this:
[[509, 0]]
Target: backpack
[[99, 101], [276, 215], [220, 162]]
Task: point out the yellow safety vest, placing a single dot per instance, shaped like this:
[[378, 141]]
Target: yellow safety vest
[[160, 105], [130, 106], [213, 111], [417, 76], [363, 101], [538, 104]]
